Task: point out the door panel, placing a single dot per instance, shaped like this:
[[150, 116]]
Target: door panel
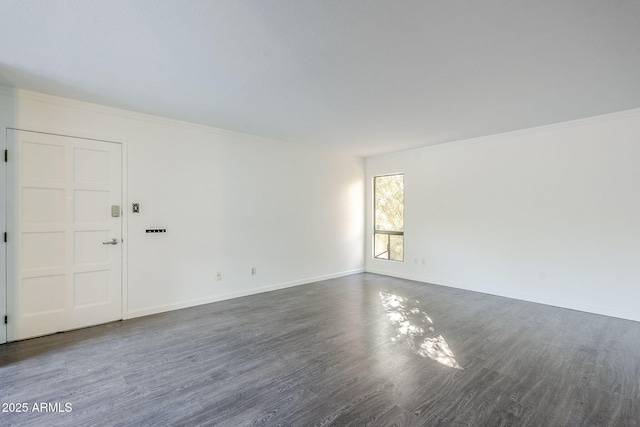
[[43, 295], [89, 249], [66, 277], [91, 288], [89, 207], [46, 163]]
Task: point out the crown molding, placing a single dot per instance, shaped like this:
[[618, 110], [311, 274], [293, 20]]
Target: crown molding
[[554, 127], [58, 101]]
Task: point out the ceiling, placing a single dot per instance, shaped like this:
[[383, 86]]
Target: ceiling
[[361, 76]]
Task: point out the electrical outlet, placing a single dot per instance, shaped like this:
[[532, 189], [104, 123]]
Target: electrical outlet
[[218, 276], [253, 271], [135, 207]]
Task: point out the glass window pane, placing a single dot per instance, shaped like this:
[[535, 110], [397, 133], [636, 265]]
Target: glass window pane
[[380, 246], [389, 202], [396, 248]]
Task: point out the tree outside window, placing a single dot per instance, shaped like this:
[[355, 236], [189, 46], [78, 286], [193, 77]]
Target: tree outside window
[[388, 234]]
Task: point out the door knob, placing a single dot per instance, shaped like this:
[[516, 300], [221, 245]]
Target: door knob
[[111, 242]]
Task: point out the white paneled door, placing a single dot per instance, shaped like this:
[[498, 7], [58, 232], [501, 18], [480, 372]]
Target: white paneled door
[[68, 257]]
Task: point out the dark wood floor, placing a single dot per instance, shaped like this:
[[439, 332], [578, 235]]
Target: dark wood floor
[[359, 350]]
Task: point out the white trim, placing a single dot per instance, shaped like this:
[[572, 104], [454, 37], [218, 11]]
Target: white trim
[[570, 305], [4, 206], [520, 132], [133, 115], [125, 227], [12, 245], [66, 132], [231, 295], [119, 112]]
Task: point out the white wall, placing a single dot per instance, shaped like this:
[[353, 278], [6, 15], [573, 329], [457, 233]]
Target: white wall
[[549, 215], [229, 202]]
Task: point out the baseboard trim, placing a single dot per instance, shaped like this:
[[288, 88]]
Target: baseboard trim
[[231, 295], [587, 308]]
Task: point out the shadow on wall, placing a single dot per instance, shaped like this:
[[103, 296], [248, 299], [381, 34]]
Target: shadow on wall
[[415, 328]]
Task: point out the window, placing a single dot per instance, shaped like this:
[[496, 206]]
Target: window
[[388, 206]]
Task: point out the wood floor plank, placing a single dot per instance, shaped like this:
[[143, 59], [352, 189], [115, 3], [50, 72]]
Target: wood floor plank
[[358, 350], [616, 368], [399, 417]]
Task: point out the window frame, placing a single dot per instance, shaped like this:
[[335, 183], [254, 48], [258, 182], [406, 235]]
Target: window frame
[[388, 233]]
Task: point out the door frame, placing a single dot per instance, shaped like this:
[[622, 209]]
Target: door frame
[[12, 259], [4, 301]]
